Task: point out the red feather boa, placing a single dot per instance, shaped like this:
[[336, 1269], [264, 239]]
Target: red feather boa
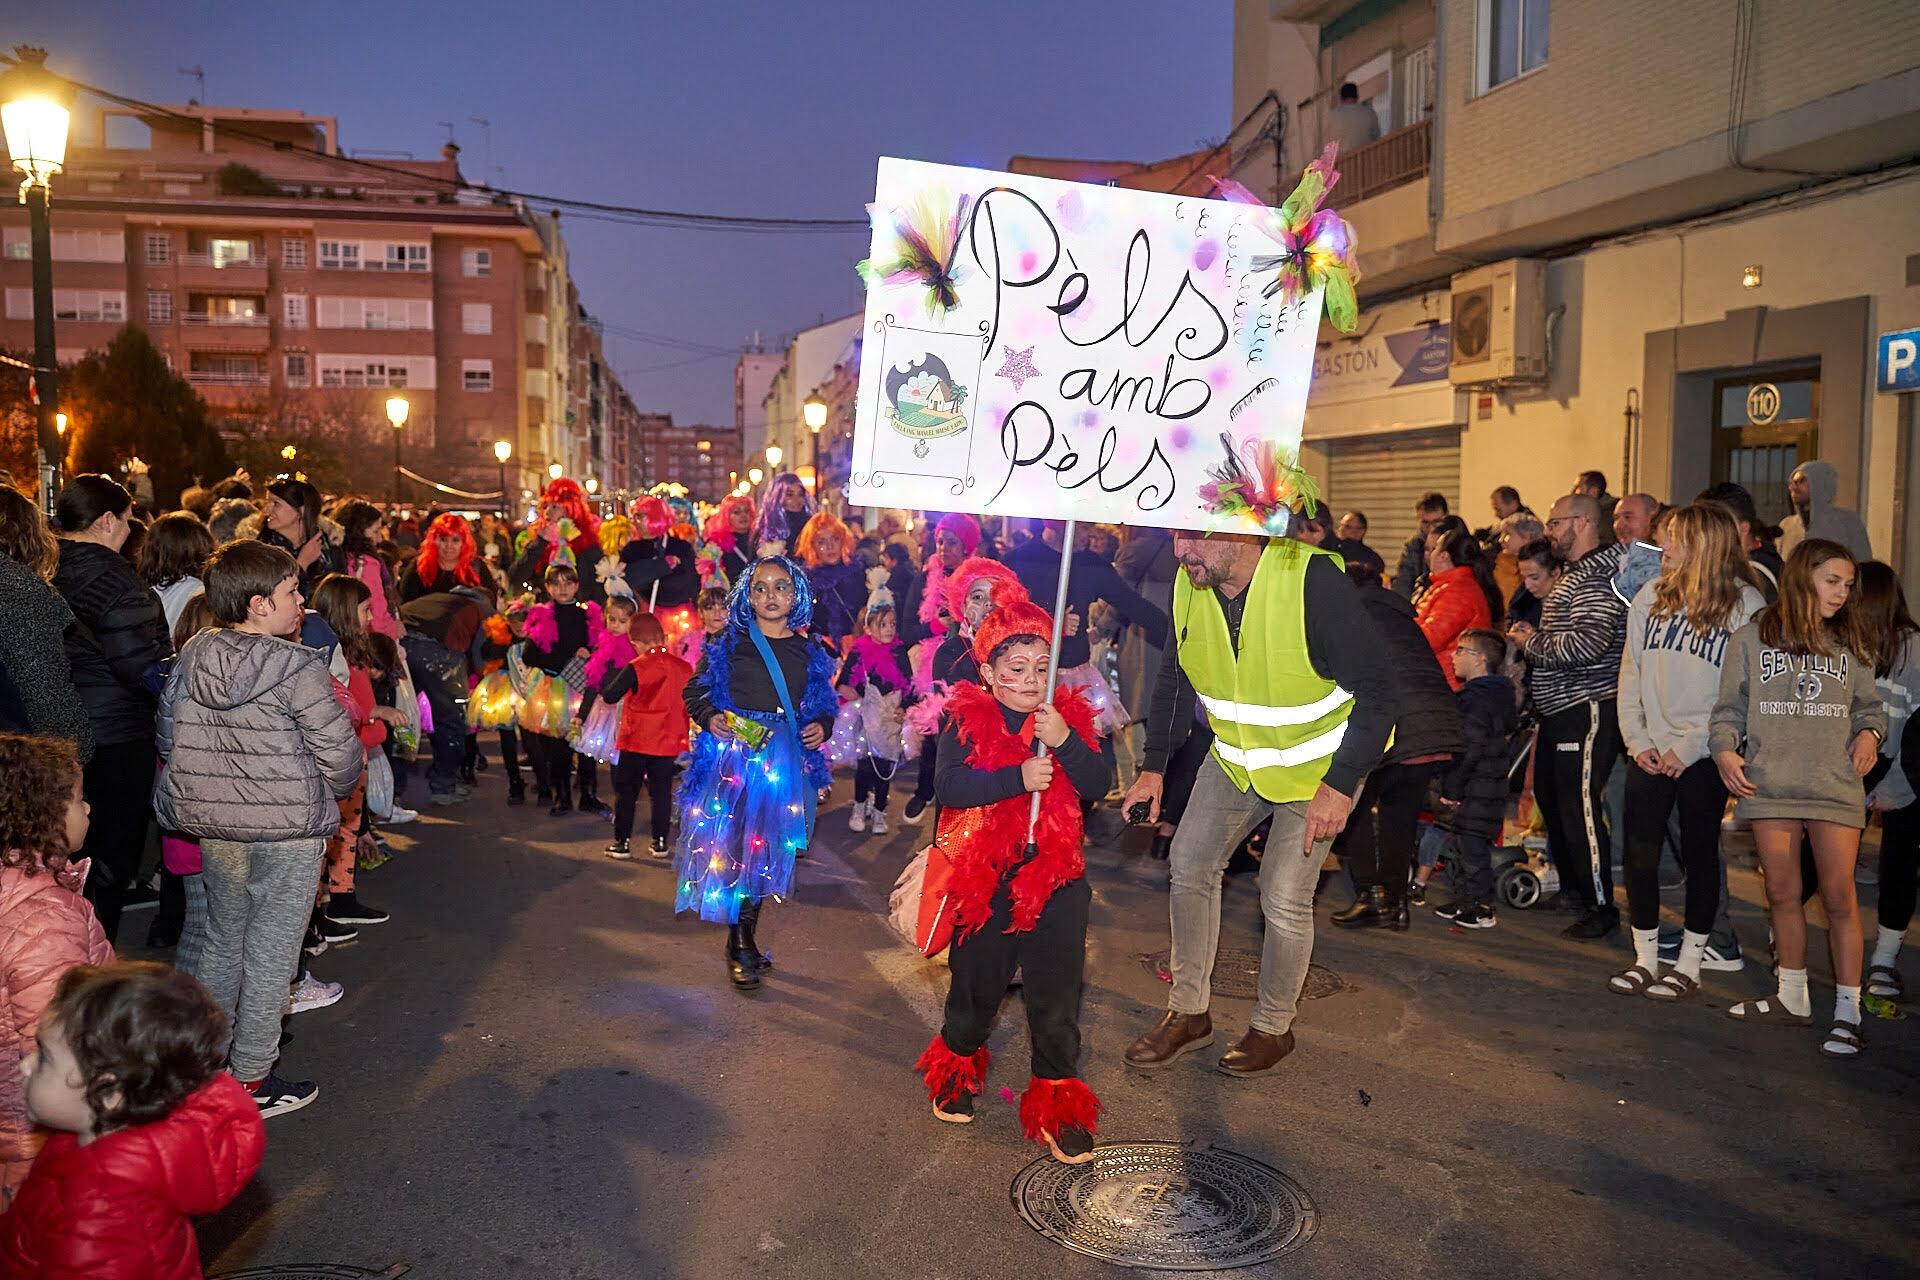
[[947, 1073], [985, 842], [1048, 1106]]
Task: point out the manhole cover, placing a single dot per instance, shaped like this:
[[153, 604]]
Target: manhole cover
[[1236, 974], [1167, 1206], [315, 1271]]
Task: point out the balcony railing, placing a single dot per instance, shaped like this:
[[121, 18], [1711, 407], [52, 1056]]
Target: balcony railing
[[1393, 161], [222, 321], [256, 261], [227, 378]]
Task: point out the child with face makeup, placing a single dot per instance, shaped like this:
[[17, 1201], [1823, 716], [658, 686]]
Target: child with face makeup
[[1016, 903], [763, 698]]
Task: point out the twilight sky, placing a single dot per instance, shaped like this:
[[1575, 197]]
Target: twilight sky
[[752, 107]]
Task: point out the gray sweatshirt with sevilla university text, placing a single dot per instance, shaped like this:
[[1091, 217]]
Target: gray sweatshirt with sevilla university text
[[1797, 714]]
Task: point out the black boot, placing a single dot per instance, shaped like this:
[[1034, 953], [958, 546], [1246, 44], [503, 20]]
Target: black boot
[[750, 917], [562, 799], [742, 968], [590, 802], [517, 794], [1399, 918], [1370, 910]]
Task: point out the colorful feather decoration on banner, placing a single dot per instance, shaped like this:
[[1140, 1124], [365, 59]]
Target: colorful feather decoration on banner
[[926, 242], [1265, 488], [1316, 245]]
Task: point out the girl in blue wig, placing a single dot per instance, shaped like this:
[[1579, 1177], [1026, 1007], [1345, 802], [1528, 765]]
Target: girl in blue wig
[[763, 697]]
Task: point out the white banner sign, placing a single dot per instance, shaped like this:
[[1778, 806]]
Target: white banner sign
[[1066, 349]]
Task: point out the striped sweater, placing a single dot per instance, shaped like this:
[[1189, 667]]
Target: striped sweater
[[1575, 654]]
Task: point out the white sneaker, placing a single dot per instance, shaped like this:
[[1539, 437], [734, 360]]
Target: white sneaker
[[399, 817], [857, 820], [879, 823], [311, 993]]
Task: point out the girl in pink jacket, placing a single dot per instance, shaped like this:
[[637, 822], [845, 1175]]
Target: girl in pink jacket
[[46, 927]]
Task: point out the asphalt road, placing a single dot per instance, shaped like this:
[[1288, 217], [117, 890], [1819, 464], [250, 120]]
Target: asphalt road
[[538, 1071]]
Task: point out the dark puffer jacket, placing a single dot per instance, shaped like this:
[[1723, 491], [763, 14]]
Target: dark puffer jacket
[[1428, 723], [257, 746], [1478, 779], [33, 656], [118, 638]]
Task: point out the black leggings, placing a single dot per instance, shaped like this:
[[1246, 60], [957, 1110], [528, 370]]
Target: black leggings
[[868, 780], [118, 783], [1899, 863], [1051, 959], [510, 757], [630, 771], [1702, 799], [1378, 849]]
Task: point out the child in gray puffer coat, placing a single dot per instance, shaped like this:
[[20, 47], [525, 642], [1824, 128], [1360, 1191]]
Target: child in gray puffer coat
[[259, 749]]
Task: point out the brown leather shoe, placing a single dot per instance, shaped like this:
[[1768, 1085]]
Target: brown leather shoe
[[1177, 1033], [1256, 1052]]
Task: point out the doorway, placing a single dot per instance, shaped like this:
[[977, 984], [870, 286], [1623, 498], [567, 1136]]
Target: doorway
[[1765, 424]]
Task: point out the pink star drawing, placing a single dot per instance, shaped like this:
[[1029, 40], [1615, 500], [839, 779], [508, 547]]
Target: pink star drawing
[[1018, 368]]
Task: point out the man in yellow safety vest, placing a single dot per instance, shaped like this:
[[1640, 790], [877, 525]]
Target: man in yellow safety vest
[[1271, 640]]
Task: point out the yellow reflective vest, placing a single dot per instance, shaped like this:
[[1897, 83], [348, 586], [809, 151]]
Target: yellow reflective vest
[[1276, 721]]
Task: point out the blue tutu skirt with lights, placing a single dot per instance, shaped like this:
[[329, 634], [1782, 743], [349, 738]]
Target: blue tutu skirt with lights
[[744, 814]]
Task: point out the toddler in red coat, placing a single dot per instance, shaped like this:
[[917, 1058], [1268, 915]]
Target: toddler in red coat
[[148, 1131], [653, 733]]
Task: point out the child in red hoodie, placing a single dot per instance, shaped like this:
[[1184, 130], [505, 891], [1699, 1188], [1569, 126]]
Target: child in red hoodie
[[149, 1132], [653, 732]]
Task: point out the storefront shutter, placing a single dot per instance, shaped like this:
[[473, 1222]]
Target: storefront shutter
[[1384, 476]]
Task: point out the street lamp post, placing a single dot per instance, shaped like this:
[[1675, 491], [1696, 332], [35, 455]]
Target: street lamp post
[[397, 415], [814, 412], [502, 450], [35, 110]]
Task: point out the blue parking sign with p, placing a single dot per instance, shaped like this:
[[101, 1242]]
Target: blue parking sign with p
[[1900, 361]]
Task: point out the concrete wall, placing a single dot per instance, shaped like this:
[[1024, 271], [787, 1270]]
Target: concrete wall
[[1629, 78], [1832, 302]]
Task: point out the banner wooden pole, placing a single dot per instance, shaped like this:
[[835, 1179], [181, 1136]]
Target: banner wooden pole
[[1053, 653]]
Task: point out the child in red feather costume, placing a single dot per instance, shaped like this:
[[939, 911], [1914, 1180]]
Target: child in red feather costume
[[1016, 905]]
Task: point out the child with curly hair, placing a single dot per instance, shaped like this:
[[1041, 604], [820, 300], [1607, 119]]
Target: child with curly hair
[[46, 927], [148, 1131]]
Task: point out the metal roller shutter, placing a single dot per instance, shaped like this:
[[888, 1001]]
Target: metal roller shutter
[[1383, 476]]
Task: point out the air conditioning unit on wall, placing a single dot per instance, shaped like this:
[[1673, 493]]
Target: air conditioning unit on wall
[[1499, 324]]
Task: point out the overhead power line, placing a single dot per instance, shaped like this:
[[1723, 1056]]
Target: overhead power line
[[630, 215]]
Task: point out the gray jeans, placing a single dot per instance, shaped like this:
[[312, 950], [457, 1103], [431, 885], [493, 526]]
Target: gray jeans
[[1218, 817], [259, 899]]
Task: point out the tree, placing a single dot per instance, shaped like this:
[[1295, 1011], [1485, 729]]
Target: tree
[[126, 402]]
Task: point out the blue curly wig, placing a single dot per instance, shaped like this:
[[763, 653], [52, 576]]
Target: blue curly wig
[[740, 606]]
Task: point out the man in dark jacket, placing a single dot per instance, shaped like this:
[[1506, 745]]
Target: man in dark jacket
[[1432, 511], [1377, 844], [444, 631], [1473, 795], [1037, 565]]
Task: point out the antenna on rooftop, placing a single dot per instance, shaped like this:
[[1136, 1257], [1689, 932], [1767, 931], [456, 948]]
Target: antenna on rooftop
[[199, 74], [486, 127], [448, 126]]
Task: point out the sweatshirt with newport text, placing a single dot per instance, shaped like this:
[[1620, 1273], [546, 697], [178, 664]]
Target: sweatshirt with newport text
[[1670, 676]]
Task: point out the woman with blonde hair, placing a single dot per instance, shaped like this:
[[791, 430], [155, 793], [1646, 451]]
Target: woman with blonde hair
[[1679, 627]]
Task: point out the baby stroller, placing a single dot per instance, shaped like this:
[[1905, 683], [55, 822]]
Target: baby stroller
[[1523, 874]]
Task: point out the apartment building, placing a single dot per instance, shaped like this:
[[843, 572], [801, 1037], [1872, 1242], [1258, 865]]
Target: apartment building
[[704, 458], [296, 290], [1658, 240], [808, 361]]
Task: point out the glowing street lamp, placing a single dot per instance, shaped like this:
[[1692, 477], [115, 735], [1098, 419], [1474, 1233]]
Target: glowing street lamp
[[593, 484], [555, 471], [774, 454], [36, 108], [814, 413], [755, 475], [397, 414], [502, 450]]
